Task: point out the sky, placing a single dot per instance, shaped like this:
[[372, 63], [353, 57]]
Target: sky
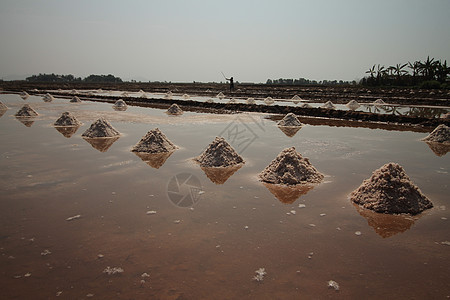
[[185, 41]]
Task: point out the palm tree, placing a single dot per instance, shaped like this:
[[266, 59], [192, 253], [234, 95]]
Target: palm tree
[[428, 68], [442, 71], [415, 69], [371, 71], [399, 72], [380, 73]]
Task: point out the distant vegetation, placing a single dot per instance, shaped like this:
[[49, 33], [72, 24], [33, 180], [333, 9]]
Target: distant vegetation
[[430, 73], [303, 81], [70, 78]]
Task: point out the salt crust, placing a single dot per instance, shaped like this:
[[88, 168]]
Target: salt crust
[[101, 129], [440, 134], [389, 190], [154, 142], [290, 168], [67, 119], [219, 154]]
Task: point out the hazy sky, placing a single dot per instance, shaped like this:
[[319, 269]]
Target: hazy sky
[[196, 40]]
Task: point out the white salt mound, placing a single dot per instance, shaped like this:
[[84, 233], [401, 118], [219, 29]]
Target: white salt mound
[[353, 104], [101, 129], [389, 190], [26, 111], [219, 154], [75, 100], [3, 106], [290, 120], [296, 98], [168, 95], [440, 134], [120, 104], [269, 101], [251, 101], [174, 109], [220, 95], [154, 142], [379, 102], [24, 95], [67, 119], [48, 98], [185, 97], [328, 105], [290, 168]]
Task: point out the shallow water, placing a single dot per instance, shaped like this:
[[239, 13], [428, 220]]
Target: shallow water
[[207, 238]]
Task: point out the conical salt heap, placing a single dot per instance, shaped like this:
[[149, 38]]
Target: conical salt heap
[[154, 142], [290, 120], [251, 101], [174, 109], [296, 99], [269, 101], [353, 104], [24, 95], [328, 105], [219, 154], [48, 98], [120, 105], [290, 168], [26, 111], [389, 190], [185, 97], [220, 95], [75, 99], [3, 106], [101, 129], [440, 134], [379, 102], [67, 119]]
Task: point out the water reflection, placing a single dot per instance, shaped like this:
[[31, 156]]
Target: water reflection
[[386, 225], [410, 111], [101, 144], [2, 112], [288, 194], [439, 149], [154, 160], [67, 131], [27, 121], [289, 131], [220, 175]]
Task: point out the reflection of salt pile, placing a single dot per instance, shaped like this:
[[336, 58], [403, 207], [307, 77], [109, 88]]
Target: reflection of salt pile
[[120, 105], [154, 160], [219, 154], [353, 104], [379, 102], [287, 193], [328, 105], [296, 99], [220, 95], [75, 100], [305, 105], [101, 129], [290, 168], [154, 142], [24, 95], [440, 134], [210, 100], [219, 175], [67, 119], [269, 101], [66, 130], [48, 98], [251, 101], [389, 190], [125, 94], [3, 106], [174, 109], [290, 120], [26, 111], [232, 100]]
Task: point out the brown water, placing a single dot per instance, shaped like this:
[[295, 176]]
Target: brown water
[[209, 246]]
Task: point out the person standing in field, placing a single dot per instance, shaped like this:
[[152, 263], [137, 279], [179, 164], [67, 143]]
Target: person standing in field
[[231, 83]]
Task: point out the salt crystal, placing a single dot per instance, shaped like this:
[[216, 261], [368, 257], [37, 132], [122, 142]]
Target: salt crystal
[[45, 252], [322, 215], [446, 243], [27, 275], [301, 205], [245, 227], [73, 218], [293, 212], [144, 275], [333, 284], [259, 274], [358, 232], [177, 221], [112, 271]]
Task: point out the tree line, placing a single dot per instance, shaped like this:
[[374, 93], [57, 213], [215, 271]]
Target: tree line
[[429, 73], [303, 81], [70, 78]]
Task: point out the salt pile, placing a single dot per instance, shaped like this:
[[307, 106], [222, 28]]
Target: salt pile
[[296, 99], [210, 100], [154, 142], [125, 94], [328, 105], [305, 105], [48, 98], [389, 190], [219, 154], [290, 168], [120, 105], [174, 109], [67, 119], [185, 97], [440, 134], [220, 95], [251, 101], [168, 95], [3, 106], [75, 100], [24, 95], [269, 101], [74, 91], [101, 129], [26, 111], [290, 120], [353, 104], [379, 102]]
